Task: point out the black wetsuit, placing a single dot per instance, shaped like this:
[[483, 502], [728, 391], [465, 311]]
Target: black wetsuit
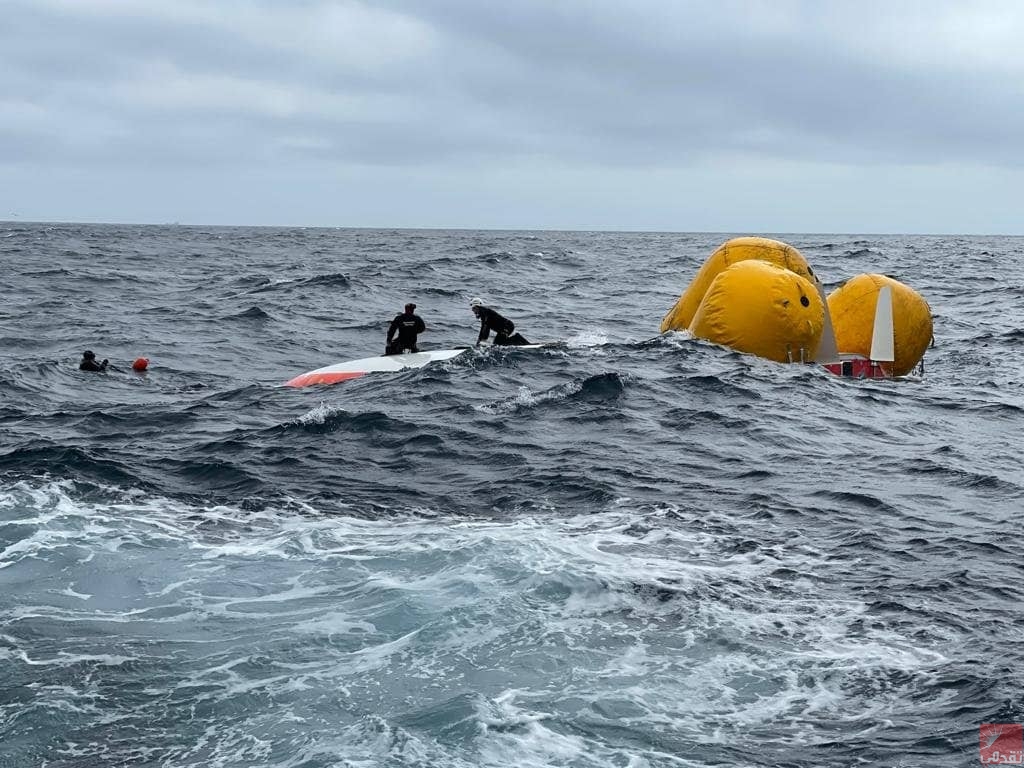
[[408, 325], [90, 364], [503, 328]]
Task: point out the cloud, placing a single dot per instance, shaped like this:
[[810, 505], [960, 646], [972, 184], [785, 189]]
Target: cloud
[[462, 87]]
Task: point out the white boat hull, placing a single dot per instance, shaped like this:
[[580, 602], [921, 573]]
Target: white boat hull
[[353, 369]]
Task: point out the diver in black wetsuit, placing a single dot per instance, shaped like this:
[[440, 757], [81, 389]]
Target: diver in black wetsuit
[[491, 321], [89, 362], [408, 326]]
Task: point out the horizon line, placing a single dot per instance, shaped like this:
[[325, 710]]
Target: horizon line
[[437, 228]]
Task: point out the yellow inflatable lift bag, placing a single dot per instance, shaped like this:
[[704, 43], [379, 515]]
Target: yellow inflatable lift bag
[[763, 309], [729, 253], [852, 307]]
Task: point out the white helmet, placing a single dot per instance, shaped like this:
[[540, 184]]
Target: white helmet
[[475, 302]]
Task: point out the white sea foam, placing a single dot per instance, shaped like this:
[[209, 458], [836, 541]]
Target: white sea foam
[[71, 593], [319, 414], [527, 398], [631, 613], [587, 338]]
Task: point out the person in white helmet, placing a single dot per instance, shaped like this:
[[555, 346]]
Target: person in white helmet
[[491, 321]]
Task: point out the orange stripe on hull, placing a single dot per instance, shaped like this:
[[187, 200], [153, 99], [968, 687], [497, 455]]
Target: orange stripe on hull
[[308, 379]]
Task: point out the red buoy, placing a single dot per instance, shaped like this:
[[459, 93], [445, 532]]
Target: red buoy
[[140, 364]]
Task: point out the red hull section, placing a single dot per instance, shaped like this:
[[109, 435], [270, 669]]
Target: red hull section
[[308, 379], [861, 368]]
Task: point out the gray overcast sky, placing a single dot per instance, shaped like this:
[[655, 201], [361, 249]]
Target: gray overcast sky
[[738, 116]]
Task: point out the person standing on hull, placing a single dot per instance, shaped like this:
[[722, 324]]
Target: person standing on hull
[[491, 321], [408, 326]]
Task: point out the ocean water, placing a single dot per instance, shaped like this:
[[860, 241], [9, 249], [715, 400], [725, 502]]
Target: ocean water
[[624, 550]]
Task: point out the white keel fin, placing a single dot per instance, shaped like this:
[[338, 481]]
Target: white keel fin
[[883, 345], [827, 351]]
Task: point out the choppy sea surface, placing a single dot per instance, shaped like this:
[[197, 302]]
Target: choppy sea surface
[[623, 550]]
